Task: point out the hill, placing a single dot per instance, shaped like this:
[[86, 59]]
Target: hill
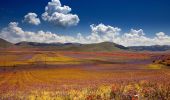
[[150, 48], [99, 47], [104, 46], [5, 44]]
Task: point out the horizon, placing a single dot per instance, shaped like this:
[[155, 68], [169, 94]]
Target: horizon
[[79, 43], [134, 23]]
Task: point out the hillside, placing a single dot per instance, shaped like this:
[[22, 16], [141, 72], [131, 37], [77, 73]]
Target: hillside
[[163, 59], [5, 44], [100, 47], [150, 48], [104, 46]]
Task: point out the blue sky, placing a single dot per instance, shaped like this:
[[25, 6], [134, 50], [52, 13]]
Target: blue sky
[[152, 16]]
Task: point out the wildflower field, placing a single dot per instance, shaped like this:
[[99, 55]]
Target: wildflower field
[[40, 75]]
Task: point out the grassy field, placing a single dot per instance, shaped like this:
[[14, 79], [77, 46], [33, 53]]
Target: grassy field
[[43, 75]]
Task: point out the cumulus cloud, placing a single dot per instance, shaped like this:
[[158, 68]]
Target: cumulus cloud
[[103, 29], [59, 15], [102, 33], [135, 37], [99, 33], [31, 18], [14, 34]]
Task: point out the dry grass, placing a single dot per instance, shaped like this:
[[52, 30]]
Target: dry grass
[[143, 90], [14, 60], [83, 76], [54, 59], [155, 66]]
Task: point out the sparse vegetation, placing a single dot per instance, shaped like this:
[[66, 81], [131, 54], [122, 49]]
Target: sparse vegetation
[[83, 76], [142, 90], [163, 60]]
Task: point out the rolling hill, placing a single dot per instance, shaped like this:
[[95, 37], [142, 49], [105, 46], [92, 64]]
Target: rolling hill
[[99, 47], [104, 46], [151, 48], [5, 44]]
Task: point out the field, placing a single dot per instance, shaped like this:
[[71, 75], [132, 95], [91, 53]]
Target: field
[[51, 75]]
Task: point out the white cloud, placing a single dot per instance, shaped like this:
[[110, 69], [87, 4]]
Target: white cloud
[[162, 39], [99, 33], [135, 37], [31, 18], [103, 29], [102, 33], [134, 34], [14, 33], [138, 37], [59, 15]]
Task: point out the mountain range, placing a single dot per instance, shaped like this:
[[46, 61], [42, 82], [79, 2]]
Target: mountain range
[[151, 48], [103, 47]]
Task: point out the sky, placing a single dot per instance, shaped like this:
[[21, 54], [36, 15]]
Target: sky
[[126, 22]]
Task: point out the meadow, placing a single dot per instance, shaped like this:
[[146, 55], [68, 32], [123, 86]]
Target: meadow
[[51, 75]]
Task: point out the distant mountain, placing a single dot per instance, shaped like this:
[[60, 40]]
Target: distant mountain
[[5, 44], [35, 44], [104, 46], [150, 48]]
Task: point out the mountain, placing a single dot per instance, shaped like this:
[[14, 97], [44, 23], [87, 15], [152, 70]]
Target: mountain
[[150, 48], [35, 44], [104, 46], [5, 44]]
